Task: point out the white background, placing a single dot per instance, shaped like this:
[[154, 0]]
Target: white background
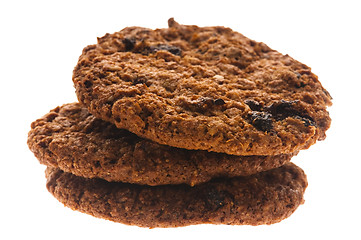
[[40, 43]]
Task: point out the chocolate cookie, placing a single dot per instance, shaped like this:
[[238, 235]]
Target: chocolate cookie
[[206, 88], [264, 198], [73, 140]]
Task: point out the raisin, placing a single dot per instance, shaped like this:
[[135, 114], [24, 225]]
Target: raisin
[[139, 80], [327, 93], [306, 121], [283, 109], [43, 144], [262, 121], [51, 116], [219, 101], [253, 105], [97, 164], [87, 84], [300, 85], [129, 43], [172, 49], [113, 161], [204, 103]]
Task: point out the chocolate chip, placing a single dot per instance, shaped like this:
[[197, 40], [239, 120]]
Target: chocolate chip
[[129, 43], [172, 49], [253, 105], [261, 121], [219, 101]]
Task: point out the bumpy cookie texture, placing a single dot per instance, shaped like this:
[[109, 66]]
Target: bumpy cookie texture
[[72, 139], [264, 198], [206, 88]]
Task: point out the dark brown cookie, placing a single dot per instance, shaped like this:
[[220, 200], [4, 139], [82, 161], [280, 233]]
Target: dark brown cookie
[[73, 140], [206, 88], [263, 198]]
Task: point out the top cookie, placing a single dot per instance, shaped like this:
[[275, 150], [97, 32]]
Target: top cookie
[[206, 88]]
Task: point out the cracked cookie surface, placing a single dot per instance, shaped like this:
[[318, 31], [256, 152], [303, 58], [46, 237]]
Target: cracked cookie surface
[[263, 198], [72, 139], [204, 88]]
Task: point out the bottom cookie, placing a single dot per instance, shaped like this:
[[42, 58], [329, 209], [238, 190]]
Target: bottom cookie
[[263, 198]]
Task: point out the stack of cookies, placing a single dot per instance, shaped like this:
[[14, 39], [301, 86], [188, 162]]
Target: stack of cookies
[[183, 125]]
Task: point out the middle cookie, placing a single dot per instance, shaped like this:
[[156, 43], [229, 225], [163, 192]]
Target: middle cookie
[[72, 139]]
